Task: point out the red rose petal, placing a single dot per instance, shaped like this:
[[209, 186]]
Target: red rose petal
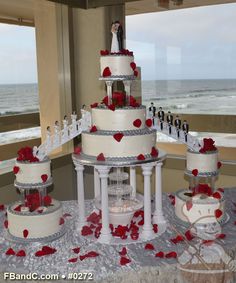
[[219, 164], [48, 250], [123, 251], [217, 195], [124, 260], [47, 200], [75, 259], [10, 251], [92, 254], [155, 228], [61, 221], [137, 123], [118, 136], [6, 224], [17, 208], [134, 236], [106, 72], [154, 152], [141, 157], [221, 236], [16, 169], [39, 253], [94, 105], [93, 129], [76, 250], [44, 177], [21, 253], [77, 150], [133, 65], [101, 157], [149, 246], [86, 230], [160, 254], [171, 255], [148, 123], [188, 235], [141, 222], [25, 233], [112, 107], [218, 213], [195, 172]]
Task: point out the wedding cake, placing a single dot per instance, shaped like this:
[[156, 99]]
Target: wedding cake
[[203, 164], [36, 215]]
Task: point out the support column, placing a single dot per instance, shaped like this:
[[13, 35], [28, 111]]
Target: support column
[[132, 173], [80, 194], [105, 236], [97, 189], [109, 91], [158, 217], [147, 232]]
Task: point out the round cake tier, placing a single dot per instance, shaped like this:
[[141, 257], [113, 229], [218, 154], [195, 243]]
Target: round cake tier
[[202, 205], [132, 144], [203, 162], [119, 65], [33, 172], [38, 225], [122, 119]]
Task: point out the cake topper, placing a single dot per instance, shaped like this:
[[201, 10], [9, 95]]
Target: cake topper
[[117, 37]]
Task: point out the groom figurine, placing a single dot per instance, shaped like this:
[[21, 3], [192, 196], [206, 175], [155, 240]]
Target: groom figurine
[[161, 116], [177, 125], [169, 120], [185, 128]]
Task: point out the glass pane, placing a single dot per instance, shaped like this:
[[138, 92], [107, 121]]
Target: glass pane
[[18, 70], [187, 58]]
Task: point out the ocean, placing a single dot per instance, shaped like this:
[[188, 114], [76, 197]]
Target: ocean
[[192, 96], [182, 96]]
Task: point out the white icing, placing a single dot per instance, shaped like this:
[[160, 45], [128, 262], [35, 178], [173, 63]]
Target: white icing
[[118, 120], [205, 206], [118, 65], [202, 162], [38, 226], [94, 144], [30, 173]]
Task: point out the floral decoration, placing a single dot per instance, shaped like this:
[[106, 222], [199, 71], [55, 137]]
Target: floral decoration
[[208, 146], [26, 154]]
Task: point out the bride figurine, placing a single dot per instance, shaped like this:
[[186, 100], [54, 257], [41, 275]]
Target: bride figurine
[[117, 37]]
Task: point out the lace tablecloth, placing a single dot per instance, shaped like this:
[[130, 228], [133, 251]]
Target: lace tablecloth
[[144, 266]]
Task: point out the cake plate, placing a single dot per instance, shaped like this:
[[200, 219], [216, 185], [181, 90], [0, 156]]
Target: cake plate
[[101, 173]]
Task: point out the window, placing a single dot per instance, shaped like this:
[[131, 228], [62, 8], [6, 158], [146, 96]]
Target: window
[[188, 65], [19, 105]]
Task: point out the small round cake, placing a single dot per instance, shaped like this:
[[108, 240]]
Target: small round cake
[[32, 173], [187, 205], [203, 162], [43, 222], [119, 65]]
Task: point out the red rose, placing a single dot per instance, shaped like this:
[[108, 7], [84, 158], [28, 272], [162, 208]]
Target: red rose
[[93, 129], [86, 230], [123, 251], [171, 255], [217, 195], [148, 123], [16, 169], [218, 213], [112, 107], [160, 254], [77, 150], [135, 73], [10, 251], [195, 172], [141, 157], [137, 123], [21, 253], [25, 233], [154, 152], [124, 260], [133, 65], [47, 200], [44, 178], [149, 246]]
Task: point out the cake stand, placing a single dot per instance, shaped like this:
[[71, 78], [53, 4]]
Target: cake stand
[[101, 174]]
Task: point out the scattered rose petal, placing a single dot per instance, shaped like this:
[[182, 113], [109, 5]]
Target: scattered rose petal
[[17, 208], [47, 200], [21, 253], [94, 105], [188, 235], [75, 259], [10, 251], [61, 221], [149, 246], [123, 252], [159, 254], [76, 250], [216, 195], [171, 255], [101, 157], [155, 228], [86, 230], [134, 236], [154, 152], [221, 236], [133, 65], [124, 260]]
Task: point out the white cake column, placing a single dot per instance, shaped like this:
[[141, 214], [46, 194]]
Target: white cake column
[[97, 189], [80, 194], [158, 217], [109, 91], [147, 232], [132, 173], [105, 236]]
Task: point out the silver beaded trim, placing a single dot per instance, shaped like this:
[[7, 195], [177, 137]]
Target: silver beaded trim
[[184, 198], [37, 162], [203, 174], [118, 78], [145, 131], [207, 152], [34, 185], [103, 107]]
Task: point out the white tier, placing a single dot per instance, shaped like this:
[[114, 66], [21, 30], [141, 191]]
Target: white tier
[[202, 207], [119, 65], [39, 225], [203, 162], [130, 146], [30, 173], [118, 120]]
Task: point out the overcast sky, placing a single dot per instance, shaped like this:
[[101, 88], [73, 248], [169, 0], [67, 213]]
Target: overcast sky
[[196, 43], [17, 54]]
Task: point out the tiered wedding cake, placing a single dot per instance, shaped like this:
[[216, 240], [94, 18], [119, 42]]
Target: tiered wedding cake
[[203, 164], [36, 215]]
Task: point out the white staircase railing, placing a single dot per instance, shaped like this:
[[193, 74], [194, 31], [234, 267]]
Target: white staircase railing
[[61, 137], [192, 142]]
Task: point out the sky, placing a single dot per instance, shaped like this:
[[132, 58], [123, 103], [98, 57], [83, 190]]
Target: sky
[[194, 43], [17, 54]]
